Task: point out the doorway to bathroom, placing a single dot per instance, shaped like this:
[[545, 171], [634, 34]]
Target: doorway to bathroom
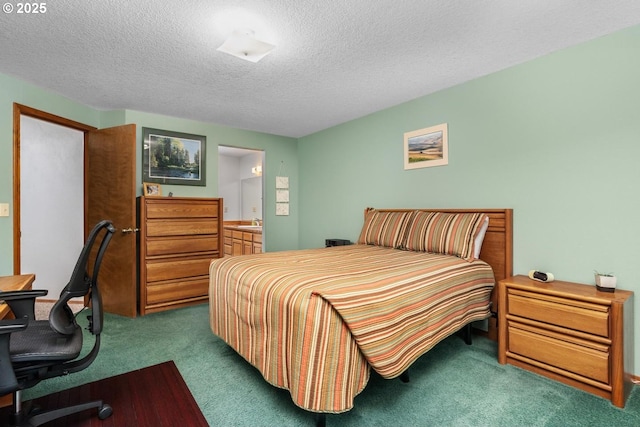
[[241, 186]]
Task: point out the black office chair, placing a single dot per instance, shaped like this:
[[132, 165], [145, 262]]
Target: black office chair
[[33, 350]]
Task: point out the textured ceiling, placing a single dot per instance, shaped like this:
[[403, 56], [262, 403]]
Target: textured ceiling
[[335, 60]]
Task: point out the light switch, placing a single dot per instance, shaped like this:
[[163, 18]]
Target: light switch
[[4, 209]]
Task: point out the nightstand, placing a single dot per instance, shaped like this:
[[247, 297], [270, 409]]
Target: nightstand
[[568, 332]]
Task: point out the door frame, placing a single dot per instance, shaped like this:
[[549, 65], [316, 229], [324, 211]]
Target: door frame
[[19, 110], [263, 158]]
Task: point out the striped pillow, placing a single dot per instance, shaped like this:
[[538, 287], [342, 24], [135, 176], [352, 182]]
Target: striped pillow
[[385, 228], [444, 233]]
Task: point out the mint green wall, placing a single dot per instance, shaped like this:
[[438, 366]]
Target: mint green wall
[[112, 118], [556, 139], [281, 232]]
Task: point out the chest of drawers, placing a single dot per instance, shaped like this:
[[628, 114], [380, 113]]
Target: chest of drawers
[[569, 332], [179, 237]]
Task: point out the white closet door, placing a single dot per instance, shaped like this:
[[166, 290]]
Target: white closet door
[[51, 202]]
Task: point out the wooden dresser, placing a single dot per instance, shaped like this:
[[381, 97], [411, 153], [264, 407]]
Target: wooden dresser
[[568, 332], [179, 237]]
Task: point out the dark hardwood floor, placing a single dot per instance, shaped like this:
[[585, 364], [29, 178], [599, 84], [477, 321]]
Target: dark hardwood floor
[[151, 397]]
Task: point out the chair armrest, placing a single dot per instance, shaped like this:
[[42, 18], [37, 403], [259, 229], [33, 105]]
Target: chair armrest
[[22, 303], [13, 325], [26, 294], [8, 381]]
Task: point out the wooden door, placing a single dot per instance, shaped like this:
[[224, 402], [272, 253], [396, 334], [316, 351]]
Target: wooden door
[[110, 172]]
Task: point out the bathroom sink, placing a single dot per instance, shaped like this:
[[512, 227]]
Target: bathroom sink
[[251, 227]]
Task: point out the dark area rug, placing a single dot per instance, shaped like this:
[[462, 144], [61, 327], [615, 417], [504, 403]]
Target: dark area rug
[[150, 397]]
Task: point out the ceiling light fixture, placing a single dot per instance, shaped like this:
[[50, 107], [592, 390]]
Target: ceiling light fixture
[[243, 44]]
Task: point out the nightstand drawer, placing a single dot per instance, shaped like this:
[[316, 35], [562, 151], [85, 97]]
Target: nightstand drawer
[[590, 360], [572, 314]]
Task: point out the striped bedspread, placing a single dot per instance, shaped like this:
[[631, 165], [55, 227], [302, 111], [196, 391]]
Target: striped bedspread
[[314, 321]]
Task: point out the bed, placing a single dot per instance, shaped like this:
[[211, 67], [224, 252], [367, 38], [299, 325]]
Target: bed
[[315, 321]]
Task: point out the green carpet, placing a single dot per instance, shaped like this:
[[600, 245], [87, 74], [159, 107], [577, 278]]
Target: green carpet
[[453, 385]]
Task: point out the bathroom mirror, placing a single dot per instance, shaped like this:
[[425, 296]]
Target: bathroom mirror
[[251, 198], [240, 183]]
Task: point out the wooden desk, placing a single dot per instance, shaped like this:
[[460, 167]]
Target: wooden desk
[[14, 283]]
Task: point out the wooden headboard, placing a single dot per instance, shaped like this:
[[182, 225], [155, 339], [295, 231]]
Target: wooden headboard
[[497, 247]]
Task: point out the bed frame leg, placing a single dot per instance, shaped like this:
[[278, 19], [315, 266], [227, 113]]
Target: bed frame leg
[[466, 333], [321, 420], [404, 377]]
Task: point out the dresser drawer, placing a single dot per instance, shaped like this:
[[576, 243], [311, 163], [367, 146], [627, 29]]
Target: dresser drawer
[[572, 314], [182, 227], [587, 359], [160, 209], [178, 290], [181, 245], [177, 269]]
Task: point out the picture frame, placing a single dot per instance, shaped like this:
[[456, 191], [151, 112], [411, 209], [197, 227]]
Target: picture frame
[[426, 147], [175, 158], [282, 182], [282, 209], [151, 189], [282, 196]]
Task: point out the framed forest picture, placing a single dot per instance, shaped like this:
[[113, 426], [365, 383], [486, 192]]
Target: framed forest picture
[[173, 157]]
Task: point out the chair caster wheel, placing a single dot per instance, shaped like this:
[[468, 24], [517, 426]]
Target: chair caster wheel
[[105, 412]]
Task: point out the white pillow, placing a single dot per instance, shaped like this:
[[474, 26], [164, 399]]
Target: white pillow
[[477, 243]]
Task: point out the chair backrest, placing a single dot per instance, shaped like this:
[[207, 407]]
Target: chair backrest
[[84, 279]]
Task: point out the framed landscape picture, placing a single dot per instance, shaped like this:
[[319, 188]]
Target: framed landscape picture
[[426, 147], [173, 157]]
